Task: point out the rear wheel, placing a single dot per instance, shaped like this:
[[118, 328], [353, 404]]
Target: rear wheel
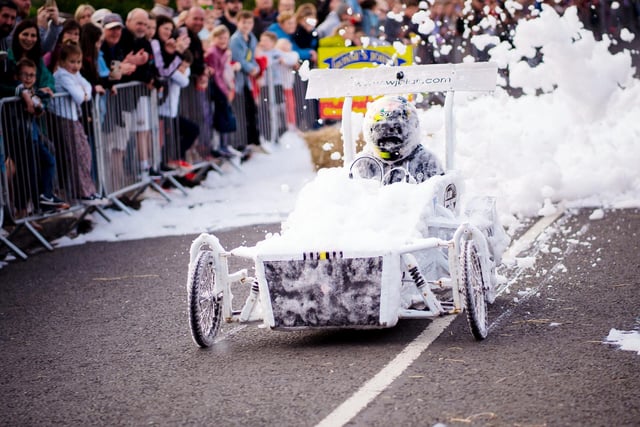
[[471, 279], [205, 307]]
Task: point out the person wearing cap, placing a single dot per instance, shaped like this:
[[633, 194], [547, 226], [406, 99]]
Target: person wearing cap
[[111, 48], [98, 16]]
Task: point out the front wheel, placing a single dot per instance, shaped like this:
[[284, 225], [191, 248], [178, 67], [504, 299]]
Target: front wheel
[[205, 307], [471, 279]]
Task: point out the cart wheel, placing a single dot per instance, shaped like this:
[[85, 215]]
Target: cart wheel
[[205, 307], [471, 277]]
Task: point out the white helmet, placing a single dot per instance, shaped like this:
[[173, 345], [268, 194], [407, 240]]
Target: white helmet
[[391, 127]]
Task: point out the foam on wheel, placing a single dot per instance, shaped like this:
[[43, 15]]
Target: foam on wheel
[[471, 279], [205, 307]]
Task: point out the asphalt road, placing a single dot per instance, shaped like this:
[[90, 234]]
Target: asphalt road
[[98, 335]]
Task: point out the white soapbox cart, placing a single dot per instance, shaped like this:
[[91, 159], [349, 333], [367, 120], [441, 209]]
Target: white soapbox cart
[[332, 288]]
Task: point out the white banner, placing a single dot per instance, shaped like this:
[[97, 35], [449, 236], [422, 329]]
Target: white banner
[[383, 80]]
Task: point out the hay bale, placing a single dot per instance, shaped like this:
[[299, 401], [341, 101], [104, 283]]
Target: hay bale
[[325, 146]]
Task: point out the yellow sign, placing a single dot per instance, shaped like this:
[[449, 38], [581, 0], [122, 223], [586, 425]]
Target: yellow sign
[[356, 57]]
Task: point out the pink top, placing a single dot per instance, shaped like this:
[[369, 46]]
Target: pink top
[[218, 60]]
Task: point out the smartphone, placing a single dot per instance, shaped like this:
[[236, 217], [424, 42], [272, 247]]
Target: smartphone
[[116, 73]]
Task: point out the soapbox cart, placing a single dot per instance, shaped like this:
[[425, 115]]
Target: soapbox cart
[[449, 270]]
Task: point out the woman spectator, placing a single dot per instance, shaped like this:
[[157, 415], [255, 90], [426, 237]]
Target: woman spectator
[[94, 67], [26, 43], [95, 71], [168, 45], [177, 134], [70, 34], [83, 14]]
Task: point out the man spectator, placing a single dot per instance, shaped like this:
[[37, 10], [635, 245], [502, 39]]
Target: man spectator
[[161, 7], [229, 16], [194, 22], [138, 49], [264, 15], [8, 13]]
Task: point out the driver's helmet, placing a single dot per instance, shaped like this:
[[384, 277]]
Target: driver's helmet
[[391, 127]]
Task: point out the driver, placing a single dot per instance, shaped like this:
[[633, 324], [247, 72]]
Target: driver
[[391, 131]]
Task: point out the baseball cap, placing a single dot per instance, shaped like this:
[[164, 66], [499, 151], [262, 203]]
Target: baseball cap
[[112, 20], [99, 15]]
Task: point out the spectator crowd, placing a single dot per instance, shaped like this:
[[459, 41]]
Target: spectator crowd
[[214, 58]]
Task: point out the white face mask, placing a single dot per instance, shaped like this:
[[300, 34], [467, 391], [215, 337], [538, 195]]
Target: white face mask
[[311, 22]]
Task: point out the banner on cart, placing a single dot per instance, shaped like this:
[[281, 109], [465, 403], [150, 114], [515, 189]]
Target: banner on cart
[[405, 80], [329, 91]]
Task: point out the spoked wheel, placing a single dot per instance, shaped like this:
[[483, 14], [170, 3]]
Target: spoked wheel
[[471, 278], [205, 307]]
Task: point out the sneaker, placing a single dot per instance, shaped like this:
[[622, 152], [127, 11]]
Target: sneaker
[[53, 202]]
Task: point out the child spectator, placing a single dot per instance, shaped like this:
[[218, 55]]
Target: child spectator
[[34, 153], [222, 87], [177, 128], [68, 79], [290, 63], [70, 33], [243, 48], [280, 64]]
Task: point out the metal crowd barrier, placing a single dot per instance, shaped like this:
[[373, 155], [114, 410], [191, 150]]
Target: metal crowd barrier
[[196, 107], [126, 136], [40, 158], [127, 141]]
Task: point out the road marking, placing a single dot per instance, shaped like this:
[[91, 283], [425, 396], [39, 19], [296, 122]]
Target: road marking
[[383, 379], [531, 234], [376, 385]]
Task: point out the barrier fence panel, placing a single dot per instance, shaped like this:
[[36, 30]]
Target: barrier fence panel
[[47, 161], [195, 118], [110, 144], [128, 139], [195, 107], [307, 111]]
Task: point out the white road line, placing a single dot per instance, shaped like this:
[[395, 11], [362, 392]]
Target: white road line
[[531, 234], [376, 385]]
